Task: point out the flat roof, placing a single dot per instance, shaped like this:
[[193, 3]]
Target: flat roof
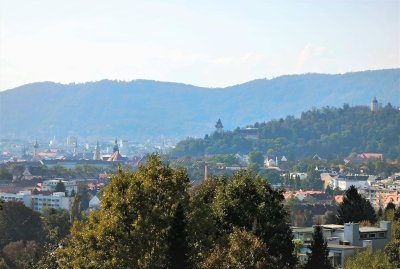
[[371, 229], [337, 246]]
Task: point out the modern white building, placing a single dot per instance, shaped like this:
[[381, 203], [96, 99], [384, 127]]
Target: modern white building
[[344, 240], [39, 202]]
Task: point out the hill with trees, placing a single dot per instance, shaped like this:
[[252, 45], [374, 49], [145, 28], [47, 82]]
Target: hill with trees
[[328, 132], [141, 109]]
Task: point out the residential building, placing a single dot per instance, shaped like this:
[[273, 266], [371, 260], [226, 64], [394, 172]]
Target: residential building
[[39, 202], [344, 240]]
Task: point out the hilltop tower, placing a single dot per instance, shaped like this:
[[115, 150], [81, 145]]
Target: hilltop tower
[[97, 155], [219, 127], [374, 105]]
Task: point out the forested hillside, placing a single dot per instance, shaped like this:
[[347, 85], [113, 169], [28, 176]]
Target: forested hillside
[[140, 109], [329, 132]]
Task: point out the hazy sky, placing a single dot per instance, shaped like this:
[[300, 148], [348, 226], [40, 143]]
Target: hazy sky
[[205, 43]]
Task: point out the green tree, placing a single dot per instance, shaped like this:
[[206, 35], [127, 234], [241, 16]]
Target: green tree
[[18, 222], [56, 224], [132, 226], [256, 157], [368, 259], [330, 217], [203, 229], [243, 250], [60, 187], [318, 257], [178, 249], [22, 255], [355, 208], [251, 203]]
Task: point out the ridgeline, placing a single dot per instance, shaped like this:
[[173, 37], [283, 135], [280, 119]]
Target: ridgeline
[[328, 132]]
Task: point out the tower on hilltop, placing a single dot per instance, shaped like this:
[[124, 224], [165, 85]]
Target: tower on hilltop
[[219, 128], [375, 106]]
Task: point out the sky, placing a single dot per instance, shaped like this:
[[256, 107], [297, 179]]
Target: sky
[[204, 43]]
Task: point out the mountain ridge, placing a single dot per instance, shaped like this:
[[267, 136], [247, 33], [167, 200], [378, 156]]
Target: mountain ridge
[[139, 109]]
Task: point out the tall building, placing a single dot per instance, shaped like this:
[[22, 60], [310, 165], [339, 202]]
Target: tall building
[[115, 148], [97, 155], [35, 149]]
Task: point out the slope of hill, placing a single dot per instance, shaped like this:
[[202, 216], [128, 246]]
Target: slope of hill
[[141, 108], [328, 132]]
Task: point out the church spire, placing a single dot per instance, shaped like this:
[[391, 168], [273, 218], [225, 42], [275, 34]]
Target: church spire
[[97, 155], [115, 149]]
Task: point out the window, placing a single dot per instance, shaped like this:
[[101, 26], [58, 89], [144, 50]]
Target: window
[[363, 236], [381, 235], [372, 235]]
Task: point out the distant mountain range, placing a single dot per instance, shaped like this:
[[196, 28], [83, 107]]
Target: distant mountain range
[[142, 108]]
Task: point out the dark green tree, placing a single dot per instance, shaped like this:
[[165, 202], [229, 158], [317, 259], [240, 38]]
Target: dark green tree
[[390, 206], [318, 257], [251, 203], [56, 224], [256, 157], [18, 222], [355, 208], [178, 250], [60, 187]]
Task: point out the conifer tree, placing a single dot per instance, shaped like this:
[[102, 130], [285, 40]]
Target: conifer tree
[[318, 258], [355, 208], [178, 252]]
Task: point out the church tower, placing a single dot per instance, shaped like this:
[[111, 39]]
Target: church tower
[[97, 155], [35, 149], [115, 148]]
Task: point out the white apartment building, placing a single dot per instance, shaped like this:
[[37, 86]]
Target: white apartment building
[[50, 185], [39, 202]]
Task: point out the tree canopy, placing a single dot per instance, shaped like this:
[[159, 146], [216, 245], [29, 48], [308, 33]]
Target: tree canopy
[[355, 208], [327, 131], [150, 218]]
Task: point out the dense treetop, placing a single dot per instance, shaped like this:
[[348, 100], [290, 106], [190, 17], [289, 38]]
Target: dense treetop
[[328, 132]]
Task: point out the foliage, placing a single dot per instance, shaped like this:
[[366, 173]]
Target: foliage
[[56, 224], [318, 258], [256, 157], [132, 226], [355, 208], [327, 131], [243, 250], [178, 249], [250, 203], [21, 255], [60, 187], [5, 174], [368, 259], [18, 222]]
